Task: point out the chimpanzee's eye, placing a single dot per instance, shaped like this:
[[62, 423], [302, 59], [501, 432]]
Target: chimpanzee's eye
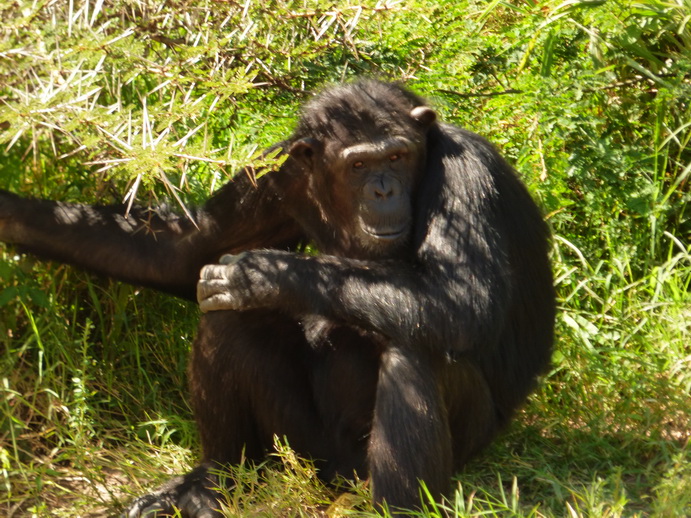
[[394, 157], [358, 165]]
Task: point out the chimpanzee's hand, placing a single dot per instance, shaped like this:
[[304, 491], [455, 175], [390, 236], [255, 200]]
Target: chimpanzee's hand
[[248, 280]]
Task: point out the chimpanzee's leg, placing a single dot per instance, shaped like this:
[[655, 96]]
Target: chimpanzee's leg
[[249, 380], [410, 438], [473, 416], [431, 414]]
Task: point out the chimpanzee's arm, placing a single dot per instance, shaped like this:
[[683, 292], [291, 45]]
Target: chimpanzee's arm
[[426, 304], [150, 247]]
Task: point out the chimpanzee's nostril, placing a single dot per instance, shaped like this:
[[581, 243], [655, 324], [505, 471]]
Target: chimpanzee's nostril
[[382, 193]]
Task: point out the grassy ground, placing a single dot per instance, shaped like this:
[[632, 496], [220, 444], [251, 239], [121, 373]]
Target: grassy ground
[[590, 100]]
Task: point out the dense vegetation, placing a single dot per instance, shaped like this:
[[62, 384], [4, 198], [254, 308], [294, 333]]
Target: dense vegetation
[[148, 100]]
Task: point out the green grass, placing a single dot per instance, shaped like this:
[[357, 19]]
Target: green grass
[[590, 100]]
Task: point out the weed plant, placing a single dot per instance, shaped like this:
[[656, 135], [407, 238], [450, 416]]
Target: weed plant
[[153, 101]]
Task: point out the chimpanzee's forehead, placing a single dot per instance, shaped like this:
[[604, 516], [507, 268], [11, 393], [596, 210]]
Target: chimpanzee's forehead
[[349, 123], [360, 112], [358, 123]]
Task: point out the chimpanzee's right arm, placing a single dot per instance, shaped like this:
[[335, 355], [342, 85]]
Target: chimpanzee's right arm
[[152, 247]]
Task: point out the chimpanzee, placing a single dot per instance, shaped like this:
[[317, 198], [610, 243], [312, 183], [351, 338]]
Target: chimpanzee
[[397, 352]]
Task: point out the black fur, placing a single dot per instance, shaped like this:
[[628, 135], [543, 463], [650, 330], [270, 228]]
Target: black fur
[[398, 352]]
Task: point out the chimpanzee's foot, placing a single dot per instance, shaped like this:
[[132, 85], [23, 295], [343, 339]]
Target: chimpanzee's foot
[[192, 494]]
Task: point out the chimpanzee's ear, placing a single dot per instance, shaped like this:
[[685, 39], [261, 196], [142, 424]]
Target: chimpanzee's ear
[[425, 115], [305, 149]]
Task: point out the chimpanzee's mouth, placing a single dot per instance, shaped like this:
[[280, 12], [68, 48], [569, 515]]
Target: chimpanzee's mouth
[[387, 234]]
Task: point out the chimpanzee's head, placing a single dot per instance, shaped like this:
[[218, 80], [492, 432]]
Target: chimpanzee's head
[[363, 145]]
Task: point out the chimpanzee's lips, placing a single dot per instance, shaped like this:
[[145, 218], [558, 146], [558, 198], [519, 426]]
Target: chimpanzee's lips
[[387, 234]]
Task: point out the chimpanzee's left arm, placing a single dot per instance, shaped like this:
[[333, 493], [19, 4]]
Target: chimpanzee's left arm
[[407, 303]]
